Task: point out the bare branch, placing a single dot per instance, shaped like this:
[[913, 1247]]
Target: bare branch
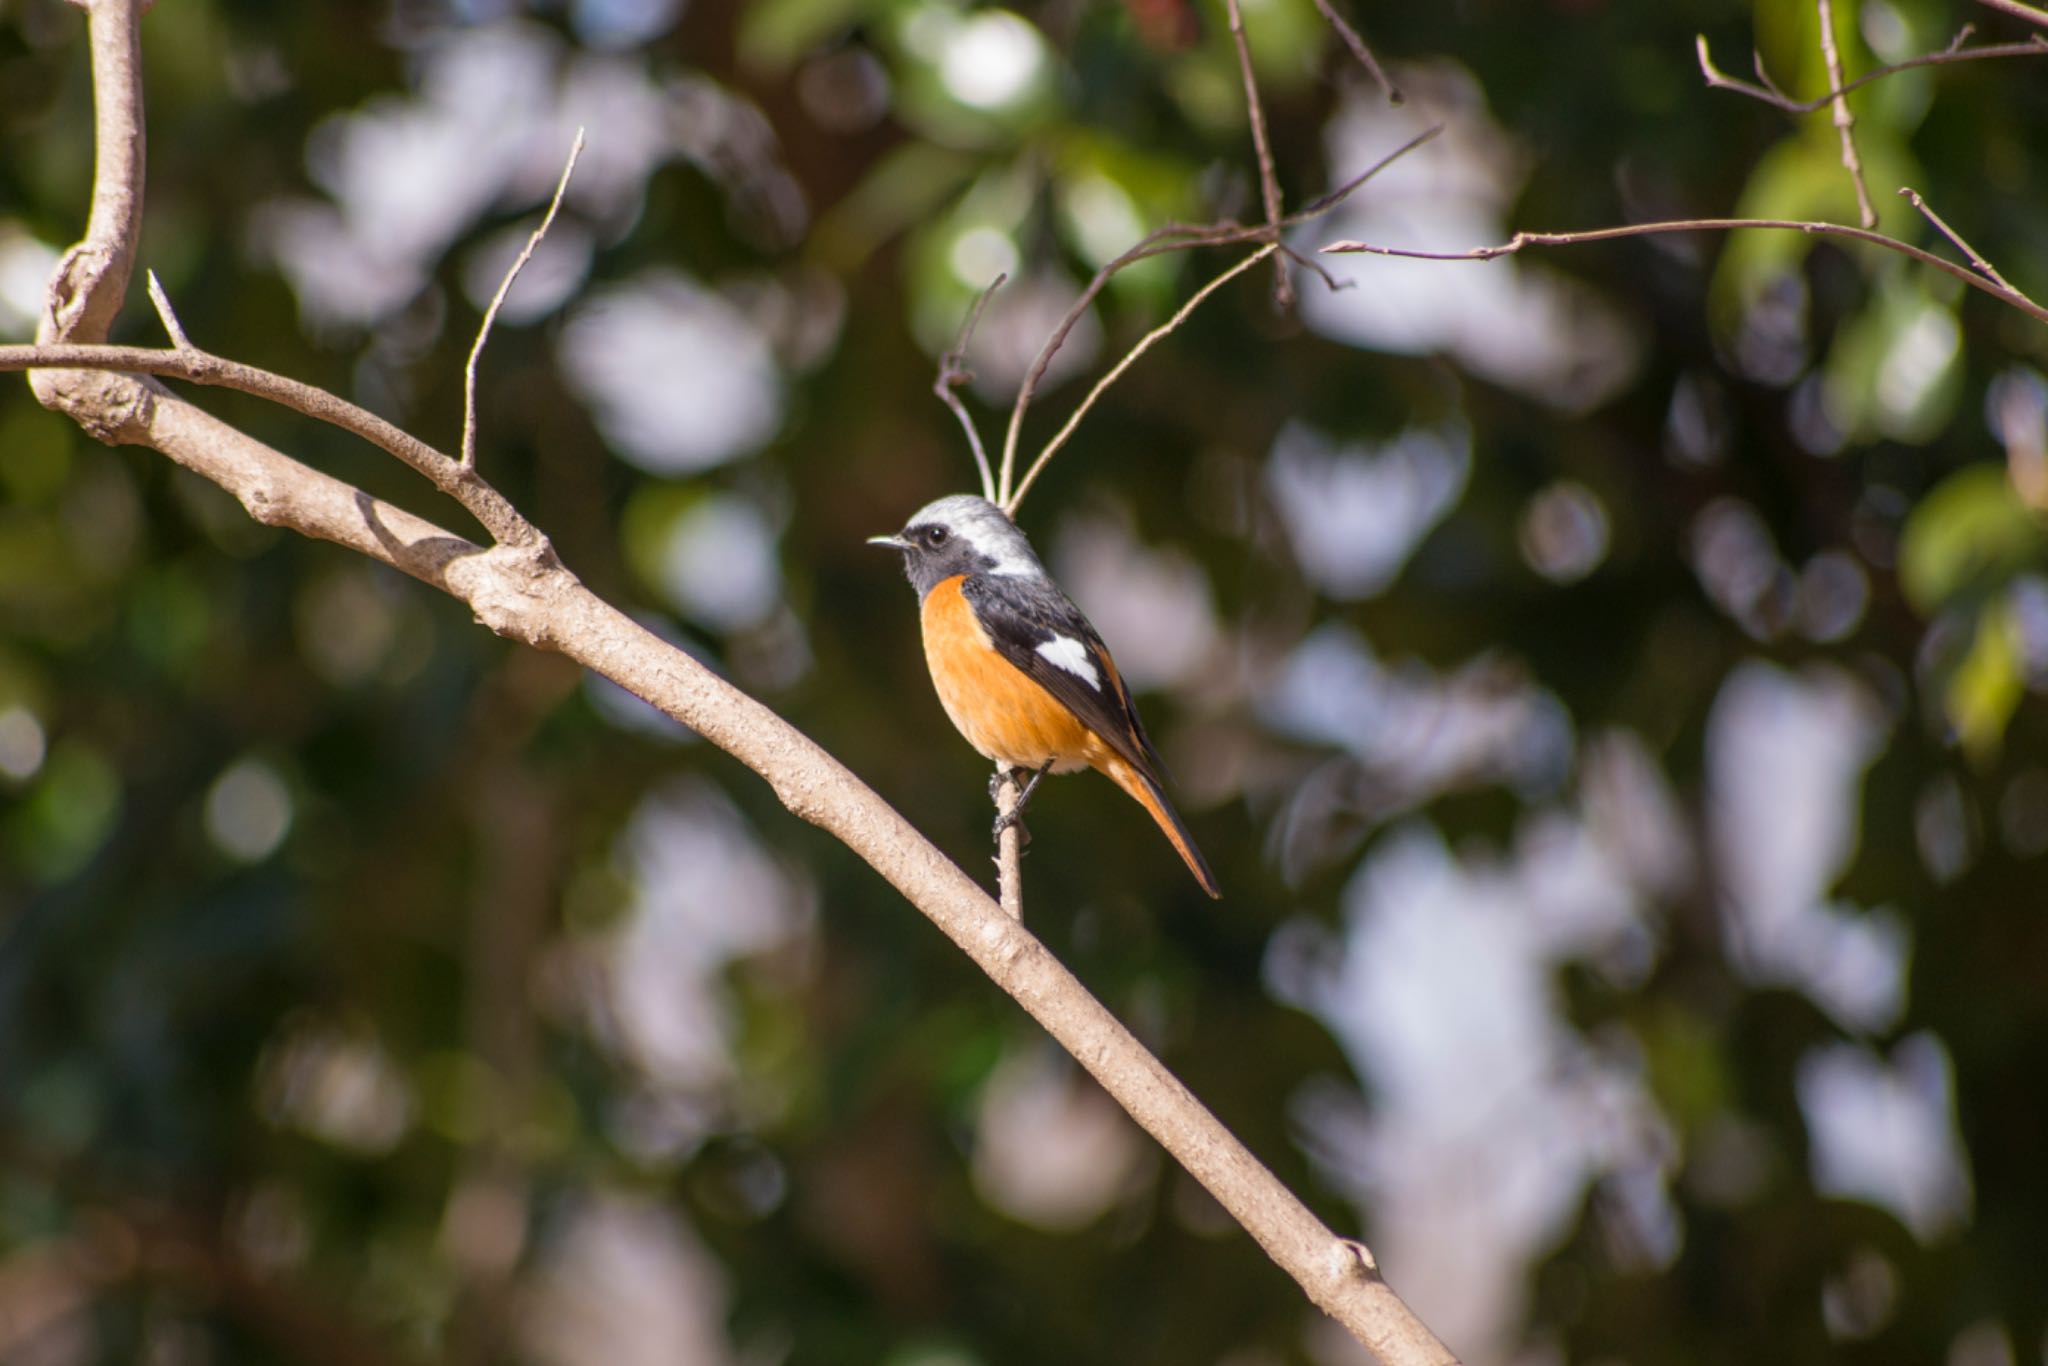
[[484, 502], [1770, 94], [1995, 288], [483, 331], [1145, 344], [1845, 122], [166, 314], [953, 371], [1269, 181], [91, 280], [2018, 10], [1984, 267], [1360, 51], [1171, 237]]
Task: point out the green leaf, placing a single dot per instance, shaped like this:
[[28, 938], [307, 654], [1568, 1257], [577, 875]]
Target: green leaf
[[1970, 533], [1986, 687]]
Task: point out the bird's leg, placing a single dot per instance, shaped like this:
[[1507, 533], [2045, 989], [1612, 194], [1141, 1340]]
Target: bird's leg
[[1015, 815]]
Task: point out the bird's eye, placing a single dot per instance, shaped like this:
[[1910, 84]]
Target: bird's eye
[[937, 536]]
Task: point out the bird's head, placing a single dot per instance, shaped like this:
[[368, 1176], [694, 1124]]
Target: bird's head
[[960, 534]]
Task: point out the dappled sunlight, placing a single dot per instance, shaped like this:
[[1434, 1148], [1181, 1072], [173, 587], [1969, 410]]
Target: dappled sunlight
[[676, 377], [1785, 761], [704, 895], [1354, 513]]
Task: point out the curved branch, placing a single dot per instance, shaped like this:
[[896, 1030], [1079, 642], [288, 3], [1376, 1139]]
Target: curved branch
[[1992, 285], [462, 483]]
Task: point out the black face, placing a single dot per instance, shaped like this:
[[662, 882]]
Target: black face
[[933, 553]]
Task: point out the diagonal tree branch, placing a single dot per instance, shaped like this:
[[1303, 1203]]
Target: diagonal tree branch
[[519, 589]]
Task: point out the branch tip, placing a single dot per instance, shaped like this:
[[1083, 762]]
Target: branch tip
[[167, 314], [467, 459], [953, 371]]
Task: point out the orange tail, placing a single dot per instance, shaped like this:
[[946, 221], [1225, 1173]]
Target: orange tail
[[1148, 794]]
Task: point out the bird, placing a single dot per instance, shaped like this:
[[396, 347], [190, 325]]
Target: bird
[[1020, 671]]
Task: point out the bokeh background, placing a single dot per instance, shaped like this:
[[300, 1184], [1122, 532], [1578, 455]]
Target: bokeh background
[[1608, 684]]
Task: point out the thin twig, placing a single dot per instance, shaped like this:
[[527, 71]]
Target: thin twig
[[1269, 180], [1144, 344], [2019, 11], [483, 332], [1845, 122], [1995, 288], [1769, 93], [166, 313], [1171, 237], [1989, 271], [1360, 51], [953, 371]]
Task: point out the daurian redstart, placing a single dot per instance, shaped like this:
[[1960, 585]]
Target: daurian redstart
[[1018, 668]]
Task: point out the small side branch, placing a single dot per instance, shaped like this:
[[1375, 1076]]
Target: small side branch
[[483, 332], [953, 372], [1360, 51], [1845, 122], [1768, 92], [1990, 284], [188, 362], [1262, 147], [2032, 14], [167, 315], [1145, 344], [1983, 267], [1170, 238]]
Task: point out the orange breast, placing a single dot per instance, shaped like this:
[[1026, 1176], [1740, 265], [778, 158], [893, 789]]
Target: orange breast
[[1005, 715]]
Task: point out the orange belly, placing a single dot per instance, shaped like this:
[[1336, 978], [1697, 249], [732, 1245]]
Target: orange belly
[[1005, 715]]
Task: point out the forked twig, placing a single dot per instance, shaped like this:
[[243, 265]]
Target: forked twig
[[468, 457], [953, 371], [1171, 237], [1768, 92], [1990, 272], [1145, 344]]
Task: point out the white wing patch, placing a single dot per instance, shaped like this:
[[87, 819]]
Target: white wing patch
[[1071, 655]]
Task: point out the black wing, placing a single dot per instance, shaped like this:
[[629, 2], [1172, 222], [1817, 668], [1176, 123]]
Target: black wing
[[1037, 628]]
